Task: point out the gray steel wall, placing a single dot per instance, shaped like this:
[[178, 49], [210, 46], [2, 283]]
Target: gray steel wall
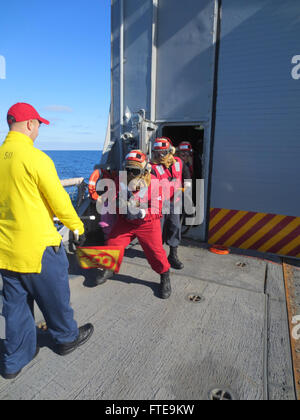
[[135, 73], [257, 147], [115, 67], [137, 54], [185, 60]]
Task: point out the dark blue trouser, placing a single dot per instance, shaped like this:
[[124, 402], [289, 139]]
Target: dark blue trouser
[[50, 289], [171, 228]]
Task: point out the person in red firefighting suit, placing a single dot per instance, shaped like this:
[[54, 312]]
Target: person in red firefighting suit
[[166, 167], [185, 153], [143, 205]]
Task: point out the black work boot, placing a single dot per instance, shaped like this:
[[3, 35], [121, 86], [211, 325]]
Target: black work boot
[[85, 333], [165, 285], [174, 260], [103, 276]]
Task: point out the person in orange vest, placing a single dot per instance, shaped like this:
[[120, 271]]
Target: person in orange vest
[[107, 219], [170, 169], [142, 207]]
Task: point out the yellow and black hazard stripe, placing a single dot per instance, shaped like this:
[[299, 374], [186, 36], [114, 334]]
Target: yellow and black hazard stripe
[[259, 231]]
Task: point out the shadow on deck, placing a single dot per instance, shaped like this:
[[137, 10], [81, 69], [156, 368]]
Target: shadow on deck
[[235, 337]]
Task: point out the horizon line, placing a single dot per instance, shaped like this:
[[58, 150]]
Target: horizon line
[[71, 150]]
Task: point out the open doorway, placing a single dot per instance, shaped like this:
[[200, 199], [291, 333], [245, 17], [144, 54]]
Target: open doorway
[[193, 134]]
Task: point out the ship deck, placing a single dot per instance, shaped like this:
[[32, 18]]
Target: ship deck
[[225, 327]]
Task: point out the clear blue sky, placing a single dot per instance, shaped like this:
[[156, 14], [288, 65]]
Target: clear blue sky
[[57, 56]]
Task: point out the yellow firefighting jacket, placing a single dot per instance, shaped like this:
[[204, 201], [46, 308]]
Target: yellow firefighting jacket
[[30, 196]]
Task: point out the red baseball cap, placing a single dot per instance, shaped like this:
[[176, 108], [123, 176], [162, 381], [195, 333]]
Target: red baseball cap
[[23, 112]]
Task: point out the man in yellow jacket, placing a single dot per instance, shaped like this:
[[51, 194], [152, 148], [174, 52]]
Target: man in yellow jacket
[[33, 262]]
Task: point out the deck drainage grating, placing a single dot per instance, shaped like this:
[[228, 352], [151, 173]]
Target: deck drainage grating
[[194, 298], [218, 394], [241, 264]]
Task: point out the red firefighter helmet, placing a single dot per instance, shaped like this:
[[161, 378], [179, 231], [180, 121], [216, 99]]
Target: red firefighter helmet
[[185, 146], [136, 157], [162, 144]]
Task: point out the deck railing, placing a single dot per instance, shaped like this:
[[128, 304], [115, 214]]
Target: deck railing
[[77, 190]]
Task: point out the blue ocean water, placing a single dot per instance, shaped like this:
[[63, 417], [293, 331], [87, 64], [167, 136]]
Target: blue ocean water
[[74, 163]]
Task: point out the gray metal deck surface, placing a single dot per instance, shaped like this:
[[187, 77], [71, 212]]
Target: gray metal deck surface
[[144, 348]]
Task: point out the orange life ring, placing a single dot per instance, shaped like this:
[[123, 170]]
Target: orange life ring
[[96, 175]]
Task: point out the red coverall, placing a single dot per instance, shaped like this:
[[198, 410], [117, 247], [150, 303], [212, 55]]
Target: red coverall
[[147, 231]]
